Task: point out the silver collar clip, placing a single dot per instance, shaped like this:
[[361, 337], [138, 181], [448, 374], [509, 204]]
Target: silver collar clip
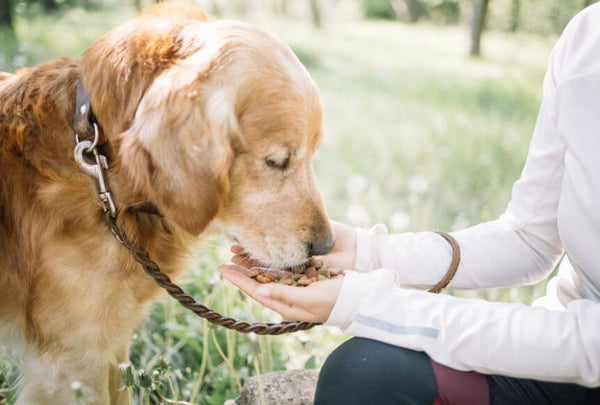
[[96, 168]]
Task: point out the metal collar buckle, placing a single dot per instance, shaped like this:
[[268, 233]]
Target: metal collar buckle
[[96, 168]]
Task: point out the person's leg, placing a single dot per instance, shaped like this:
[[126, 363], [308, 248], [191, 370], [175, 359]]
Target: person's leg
[[508, 391], [363, 372]]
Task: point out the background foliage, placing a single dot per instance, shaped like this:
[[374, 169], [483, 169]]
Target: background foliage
[[420, 136]]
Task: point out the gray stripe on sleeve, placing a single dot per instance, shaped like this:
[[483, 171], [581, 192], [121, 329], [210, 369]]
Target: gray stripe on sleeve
[[398, 330]]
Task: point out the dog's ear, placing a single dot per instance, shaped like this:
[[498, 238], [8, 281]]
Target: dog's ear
[[177, 150]]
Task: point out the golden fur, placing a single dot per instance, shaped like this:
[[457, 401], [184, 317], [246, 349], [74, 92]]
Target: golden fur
[[198, 115]]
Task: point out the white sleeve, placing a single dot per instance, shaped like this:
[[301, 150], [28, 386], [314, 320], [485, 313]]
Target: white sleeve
[[521, 247], [465, 334]]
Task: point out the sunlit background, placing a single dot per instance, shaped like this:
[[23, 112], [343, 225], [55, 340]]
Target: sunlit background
[[423, 133]]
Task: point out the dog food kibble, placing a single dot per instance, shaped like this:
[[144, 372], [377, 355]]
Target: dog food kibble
[[301, 276]]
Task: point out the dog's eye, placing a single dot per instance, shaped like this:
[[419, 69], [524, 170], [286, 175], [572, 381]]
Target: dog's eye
[[280, 164]]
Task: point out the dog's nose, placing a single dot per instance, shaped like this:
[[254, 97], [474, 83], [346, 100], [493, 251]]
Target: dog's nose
[[321, 245]]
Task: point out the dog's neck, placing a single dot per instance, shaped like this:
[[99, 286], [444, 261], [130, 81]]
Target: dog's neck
[[35, 110]]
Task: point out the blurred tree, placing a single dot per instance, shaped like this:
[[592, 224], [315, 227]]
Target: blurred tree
[[439, 11], [49, 5], [542, 17], [415, 9], [215, 8], [281, 6], [443, 12], [379, 9], [315, 13], [480, 8], [6, 10], [515, 15]]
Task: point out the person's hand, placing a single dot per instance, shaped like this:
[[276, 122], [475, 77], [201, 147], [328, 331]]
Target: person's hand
[[310, 304], [342, 255]]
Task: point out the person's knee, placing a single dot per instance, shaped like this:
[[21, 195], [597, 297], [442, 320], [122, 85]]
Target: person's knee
[[366, 370]]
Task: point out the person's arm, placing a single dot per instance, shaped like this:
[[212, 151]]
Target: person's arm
[[466, 334], [521, 247], [493, 338]]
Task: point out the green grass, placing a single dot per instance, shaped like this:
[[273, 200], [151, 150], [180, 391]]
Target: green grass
[[417, 132]]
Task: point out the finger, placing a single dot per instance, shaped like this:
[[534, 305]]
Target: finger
[[237, 249], [236, 276], [245, 261], [293, 296], [277, 273], [233, 267], [279, 298], [332, 262], [288, 312]]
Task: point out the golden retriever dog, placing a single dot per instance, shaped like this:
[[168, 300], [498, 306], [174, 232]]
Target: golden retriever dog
[[213, 123]]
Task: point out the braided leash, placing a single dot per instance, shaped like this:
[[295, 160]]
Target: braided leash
[[164, 281]]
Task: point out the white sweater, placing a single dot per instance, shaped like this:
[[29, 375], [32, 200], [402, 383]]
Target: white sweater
[[555, 207]]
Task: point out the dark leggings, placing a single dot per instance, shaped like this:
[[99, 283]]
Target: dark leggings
[[364, 372]]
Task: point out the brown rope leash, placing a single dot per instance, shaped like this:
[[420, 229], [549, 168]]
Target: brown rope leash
[[164, 281]]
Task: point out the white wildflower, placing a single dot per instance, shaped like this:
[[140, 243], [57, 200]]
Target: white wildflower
[[400, 221], [462, 119], [358, 215], [460, 222], [418, 184], [356, 185], [373, 192]]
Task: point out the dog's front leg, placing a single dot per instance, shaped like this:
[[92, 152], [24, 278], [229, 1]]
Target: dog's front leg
[[118, 396], [76, 377], [65, 378]]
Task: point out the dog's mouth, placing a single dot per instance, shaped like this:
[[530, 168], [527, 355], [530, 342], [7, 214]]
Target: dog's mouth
[[280, 261], [274, 259], [267, 251]]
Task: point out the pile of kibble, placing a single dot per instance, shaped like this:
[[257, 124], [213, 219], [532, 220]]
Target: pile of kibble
[[301, 276]]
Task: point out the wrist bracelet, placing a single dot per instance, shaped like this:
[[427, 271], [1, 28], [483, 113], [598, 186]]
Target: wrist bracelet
[[443, 283]]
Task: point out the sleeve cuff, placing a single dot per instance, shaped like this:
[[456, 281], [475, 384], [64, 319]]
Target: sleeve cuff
[[363, 250], [356, 290], [367, 257]]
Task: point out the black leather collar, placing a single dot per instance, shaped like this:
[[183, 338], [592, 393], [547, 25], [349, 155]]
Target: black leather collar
[[84, 120]]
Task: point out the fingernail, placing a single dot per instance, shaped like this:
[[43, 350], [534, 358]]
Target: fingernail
[[263, 291]]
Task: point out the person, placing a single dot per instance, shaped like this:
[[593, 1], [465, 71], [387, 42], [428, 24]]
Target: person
[[415, 347]]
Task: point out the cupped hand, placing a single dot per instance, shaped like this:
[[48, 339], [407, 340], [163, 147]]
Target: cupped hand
[[313, 303]]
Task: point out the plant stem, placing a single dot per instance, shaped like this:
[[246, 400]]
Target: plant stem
[[226, 360]]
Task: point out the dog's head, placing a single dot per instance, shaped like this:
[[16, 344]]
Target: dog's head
[[213, 122]]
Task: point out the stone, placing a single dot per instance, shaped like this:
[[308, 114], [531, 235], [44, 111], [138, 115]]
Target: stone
[[293, 387]]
